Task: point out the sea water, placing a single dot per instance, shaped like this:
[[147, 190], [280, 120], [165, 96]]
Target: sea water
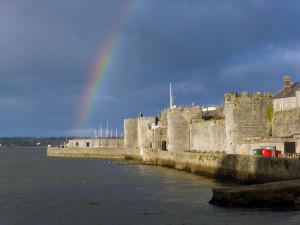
[[36, 189]]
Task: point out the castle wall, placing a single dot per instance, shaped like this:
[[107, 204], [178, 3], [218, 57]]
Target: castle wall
[[160, 135], [179, 127], [286, 123], [208, 136], [131, 133], [111, 142], [245, 116], [164, 118], [145, 132]]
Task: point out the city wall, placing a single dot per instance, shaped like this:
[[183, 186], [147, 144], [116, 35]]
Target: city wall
[[246, 168], [104, 152], [131, 133], [245, 116], [111, 142], [244, 127], [286, 122], [208, 136], [178, 133], [145, 132]]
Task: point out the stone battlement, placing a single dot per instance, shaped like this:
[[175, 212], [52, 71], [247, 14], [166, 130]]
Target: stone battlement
[[243, 95]]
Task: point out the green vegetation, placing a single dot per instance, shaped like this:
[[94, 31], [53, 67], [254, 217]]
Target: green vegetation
[[187, 150], [33, 141], [270, 114]]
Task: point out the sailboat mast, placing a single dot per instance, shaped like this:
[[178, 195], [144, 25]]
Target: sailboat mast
[[171, 96]]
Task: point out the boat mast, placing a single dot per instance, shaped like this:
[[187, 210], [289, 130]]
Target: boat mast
[[171, 96], [107, 130]]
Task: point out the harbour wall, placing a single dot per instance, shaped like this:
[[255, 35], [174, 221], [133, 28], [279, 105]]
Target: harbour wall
[[105, 152], [245, 168]]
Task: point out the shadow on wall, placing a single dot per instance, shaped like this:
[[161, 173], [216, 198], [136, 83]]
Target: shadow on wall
[[258, 169]]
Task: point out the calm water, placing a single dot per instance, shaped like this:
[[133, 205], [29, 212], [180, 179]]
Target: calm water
[[36, 189]]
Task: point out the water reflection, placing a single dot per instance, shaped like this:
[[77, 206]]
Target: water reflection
[[35, 189]]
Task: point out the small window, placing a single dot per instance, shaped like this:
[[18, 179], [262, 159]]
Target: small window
[[292, 105], [150, 144], [88, 144], [149, 126], [77, 144]]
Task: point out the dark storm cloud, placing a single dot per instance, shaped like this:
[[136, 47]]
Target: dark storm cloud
[[205, 48]]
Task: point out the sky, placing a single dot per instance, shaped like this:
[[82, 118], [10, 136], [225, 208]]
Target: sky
[[49, 51]]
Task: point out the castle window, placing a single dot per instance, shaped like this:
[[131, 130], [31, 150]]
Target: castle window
[[88, 144], [149, 126], [281, 106], [77, 144], [150, 144], [286, 106]]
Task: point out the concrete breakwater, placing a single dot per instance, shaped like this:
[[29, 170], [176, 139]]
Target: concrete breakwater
[[245, 168], [284, 193], [104, 152]]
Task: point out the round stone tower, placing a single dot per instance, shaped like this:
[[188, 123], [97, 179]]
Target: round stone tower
[[179, 121], [130, 133]]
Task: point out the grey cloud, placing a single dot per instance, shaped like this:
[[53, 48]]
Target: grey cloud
[[205, 48]]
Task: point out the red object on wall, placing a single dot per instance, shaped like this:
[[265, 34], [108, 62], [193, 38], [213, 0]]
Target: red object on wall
[[267, 152], [277, 153]]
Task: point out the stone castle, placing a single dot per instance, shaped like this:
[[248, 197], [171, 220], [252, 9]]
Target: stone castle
[[236, 127]]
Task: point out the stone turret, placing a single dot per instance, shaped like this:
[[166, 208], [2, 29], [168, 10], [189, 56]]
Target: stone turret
[[245, 116], [131, 133], [179, 121], [145, 132]]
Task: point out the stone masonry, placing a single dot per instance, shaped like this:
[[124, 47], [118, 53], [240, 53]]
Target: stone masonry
[[245, 116]]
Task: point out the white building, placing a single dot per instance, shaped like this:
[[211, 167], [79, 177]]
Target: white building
[[288, 97]]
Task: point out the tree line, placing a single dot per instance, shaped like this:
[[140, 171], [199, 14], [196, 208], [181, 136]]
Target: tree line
[[33, 141]]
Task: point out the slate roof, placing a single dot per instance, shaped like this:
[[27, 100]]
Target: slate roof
[[292, 93]]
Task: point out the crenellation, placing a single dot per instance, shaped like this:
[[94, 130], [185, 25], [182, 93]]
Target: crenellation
[[257, 95], [244, 94], [268, 94]]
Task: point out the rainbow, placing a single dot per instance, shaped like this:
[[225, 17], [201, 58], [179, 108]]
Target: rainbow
[[102, 65]]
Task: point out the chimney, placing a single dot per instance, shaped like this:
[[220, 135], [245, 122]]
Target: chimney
[[287, 84]]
